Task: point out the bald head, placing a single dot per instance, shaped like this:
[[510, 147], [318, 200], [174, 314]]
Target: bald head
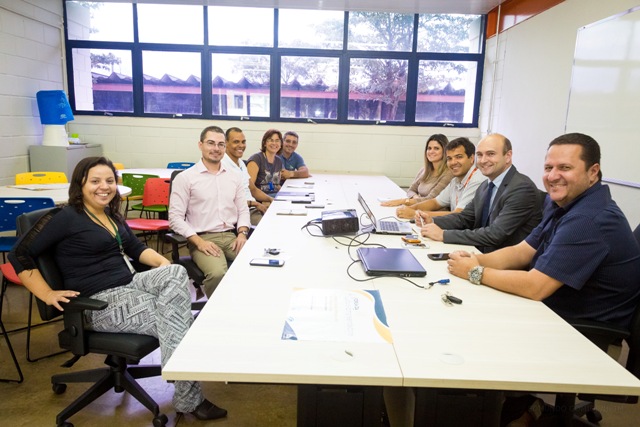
[[493, 155]]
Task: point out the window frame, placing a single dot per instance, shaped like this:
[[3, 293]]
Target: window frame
[[276, 53]]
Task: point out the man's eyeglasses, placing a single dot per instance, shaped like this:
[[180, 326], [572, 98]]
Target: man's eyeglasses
[[212, 144]]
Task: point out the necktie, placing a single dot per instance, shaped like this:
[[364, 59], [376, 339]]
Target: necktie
[[486, 207]]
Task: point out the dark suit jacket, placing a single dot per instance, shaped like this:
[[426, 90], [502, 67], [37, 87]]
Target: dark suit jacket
[[516, 211]]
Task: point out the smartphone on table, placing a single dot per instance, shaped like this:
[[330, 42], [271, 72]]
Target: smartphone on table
[[411, 238], [267, 262], [438, 257]]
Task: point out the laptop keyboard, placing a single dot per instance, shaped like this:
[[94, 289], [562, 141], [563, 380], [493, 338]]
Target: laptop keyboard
[[388, 226]]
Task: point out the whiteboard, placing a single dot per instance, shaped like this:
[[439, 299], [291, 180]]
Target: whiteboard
[[604, 99]]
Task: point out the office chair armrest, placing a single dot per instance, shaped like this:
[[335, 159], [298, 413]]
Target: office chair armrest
[[601, 334], [83, 303], [177, 241], [73, 337]]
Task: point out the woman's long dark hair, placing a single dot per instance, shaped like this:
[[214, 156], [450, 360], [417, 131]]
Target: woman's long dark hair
[[429, 170], [79, 178]]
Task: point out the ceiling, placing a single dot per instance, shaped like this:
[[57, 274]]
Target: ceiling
[[400, 6]]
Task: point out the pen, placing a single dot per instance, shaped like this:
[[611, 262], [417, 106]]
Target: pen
[[421, 221]]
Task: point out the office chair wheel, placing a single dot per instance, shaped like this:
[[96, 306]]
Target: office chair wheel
[[594, 416], [160, 420], [59, 388]]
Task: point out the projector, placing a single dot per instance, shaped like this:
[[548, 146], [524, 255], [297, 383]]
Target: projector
[[343, 221]]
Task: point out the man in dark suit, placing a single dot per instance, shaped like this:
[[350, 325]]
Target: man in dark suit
[[504, 210]]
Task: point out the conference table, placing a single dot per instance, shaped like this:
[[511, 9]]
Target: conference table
[[490, 343], [58, 192]]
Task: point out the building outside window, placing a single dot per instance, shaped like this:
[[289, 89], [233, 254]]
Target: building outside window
[[285, 65]]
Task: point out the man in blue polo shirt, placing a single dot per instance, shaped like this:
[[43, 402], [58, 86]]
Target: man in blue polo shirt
[[293, 163], [582, 260]]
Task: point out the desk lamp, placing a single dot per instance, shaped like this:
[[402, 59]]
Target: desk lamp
[[55, 112]]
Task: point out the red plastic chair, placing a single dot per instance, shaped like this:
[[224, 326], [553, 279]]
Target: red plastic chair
[[156, 193], [5, 334], [9, 276]]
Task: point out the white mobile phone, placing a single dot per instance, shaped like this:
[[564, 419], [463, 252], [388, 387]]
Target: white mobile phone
[[267, 262]]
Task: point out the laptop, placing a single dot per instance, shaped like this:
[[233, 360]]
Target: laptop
[[385, 226], [390, 262]]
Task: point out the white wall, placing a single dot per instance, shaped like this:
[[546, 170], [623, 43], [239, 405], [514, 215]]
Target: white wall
[[534, 64], [30, 60]]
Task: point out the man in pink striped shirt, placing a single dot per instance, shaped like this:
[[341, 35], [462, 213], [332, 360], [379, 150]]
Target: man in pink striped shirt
[[208, 206]]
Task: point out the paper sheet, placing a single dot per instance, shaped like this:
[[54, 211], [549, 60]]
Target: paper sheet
[[336, 315]]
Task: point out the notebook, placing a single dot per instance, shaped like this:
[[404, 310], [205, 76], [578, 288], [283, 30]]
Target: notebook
[[385, 226], [390, 262]]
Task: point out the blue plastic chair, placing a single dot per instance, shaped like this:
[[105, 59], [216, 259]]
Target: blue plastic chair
[[180, 165], [10, 209]]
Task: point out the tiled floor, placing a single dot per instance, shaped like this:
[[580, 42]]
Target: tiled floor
[[33, 403]]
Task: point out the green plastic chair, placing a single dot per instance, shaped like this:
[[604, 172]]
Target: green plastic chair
[[136, 182]]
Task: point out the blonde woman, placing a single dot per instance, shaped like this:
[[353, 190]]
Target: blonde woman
[[432, 178]]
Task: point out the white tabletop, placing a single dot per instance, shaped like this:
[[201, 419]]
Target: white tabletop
[[493, 341], [58, 192]]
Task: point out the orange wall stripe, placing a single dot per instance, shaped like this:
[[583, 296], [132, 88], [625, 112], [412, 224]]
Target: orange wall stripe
[[513, 12]]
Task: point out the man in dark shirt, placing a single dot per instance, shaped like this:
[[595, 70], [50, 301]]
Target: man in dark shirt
[[582, 260]]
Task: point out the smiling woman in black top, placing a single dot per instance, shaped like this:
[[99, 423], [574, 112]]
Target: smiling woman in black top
[[92, 245]]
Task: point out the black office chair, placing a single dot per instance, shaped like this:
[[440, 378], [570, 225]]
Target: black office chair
[[196, 275], [604, 335], [121, 349]]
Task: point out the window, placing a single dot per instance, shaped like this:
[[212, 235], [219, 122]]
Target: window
[[176, 24], [378, 89], [163, 60], [309, 87], [171, 82], [228, 26], [311, 29], [245, 77], [378, 31]]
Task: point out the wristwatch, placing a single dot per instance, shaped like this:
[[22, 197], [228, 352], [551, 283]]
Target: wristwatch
[[475, 275], [245, 232]]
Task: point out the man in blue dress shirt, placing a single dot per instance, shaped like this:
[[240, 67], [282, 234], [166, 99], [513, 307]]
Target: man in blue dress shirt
[[582, 260]]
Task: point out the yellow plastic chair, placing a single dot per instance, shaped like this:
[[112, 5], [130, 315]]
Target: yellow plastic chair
[[118, 166], [41, 178]]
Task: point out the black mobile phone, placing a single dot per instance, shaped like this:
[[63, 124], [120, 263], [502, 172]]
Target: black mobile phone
[[438, 257]]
